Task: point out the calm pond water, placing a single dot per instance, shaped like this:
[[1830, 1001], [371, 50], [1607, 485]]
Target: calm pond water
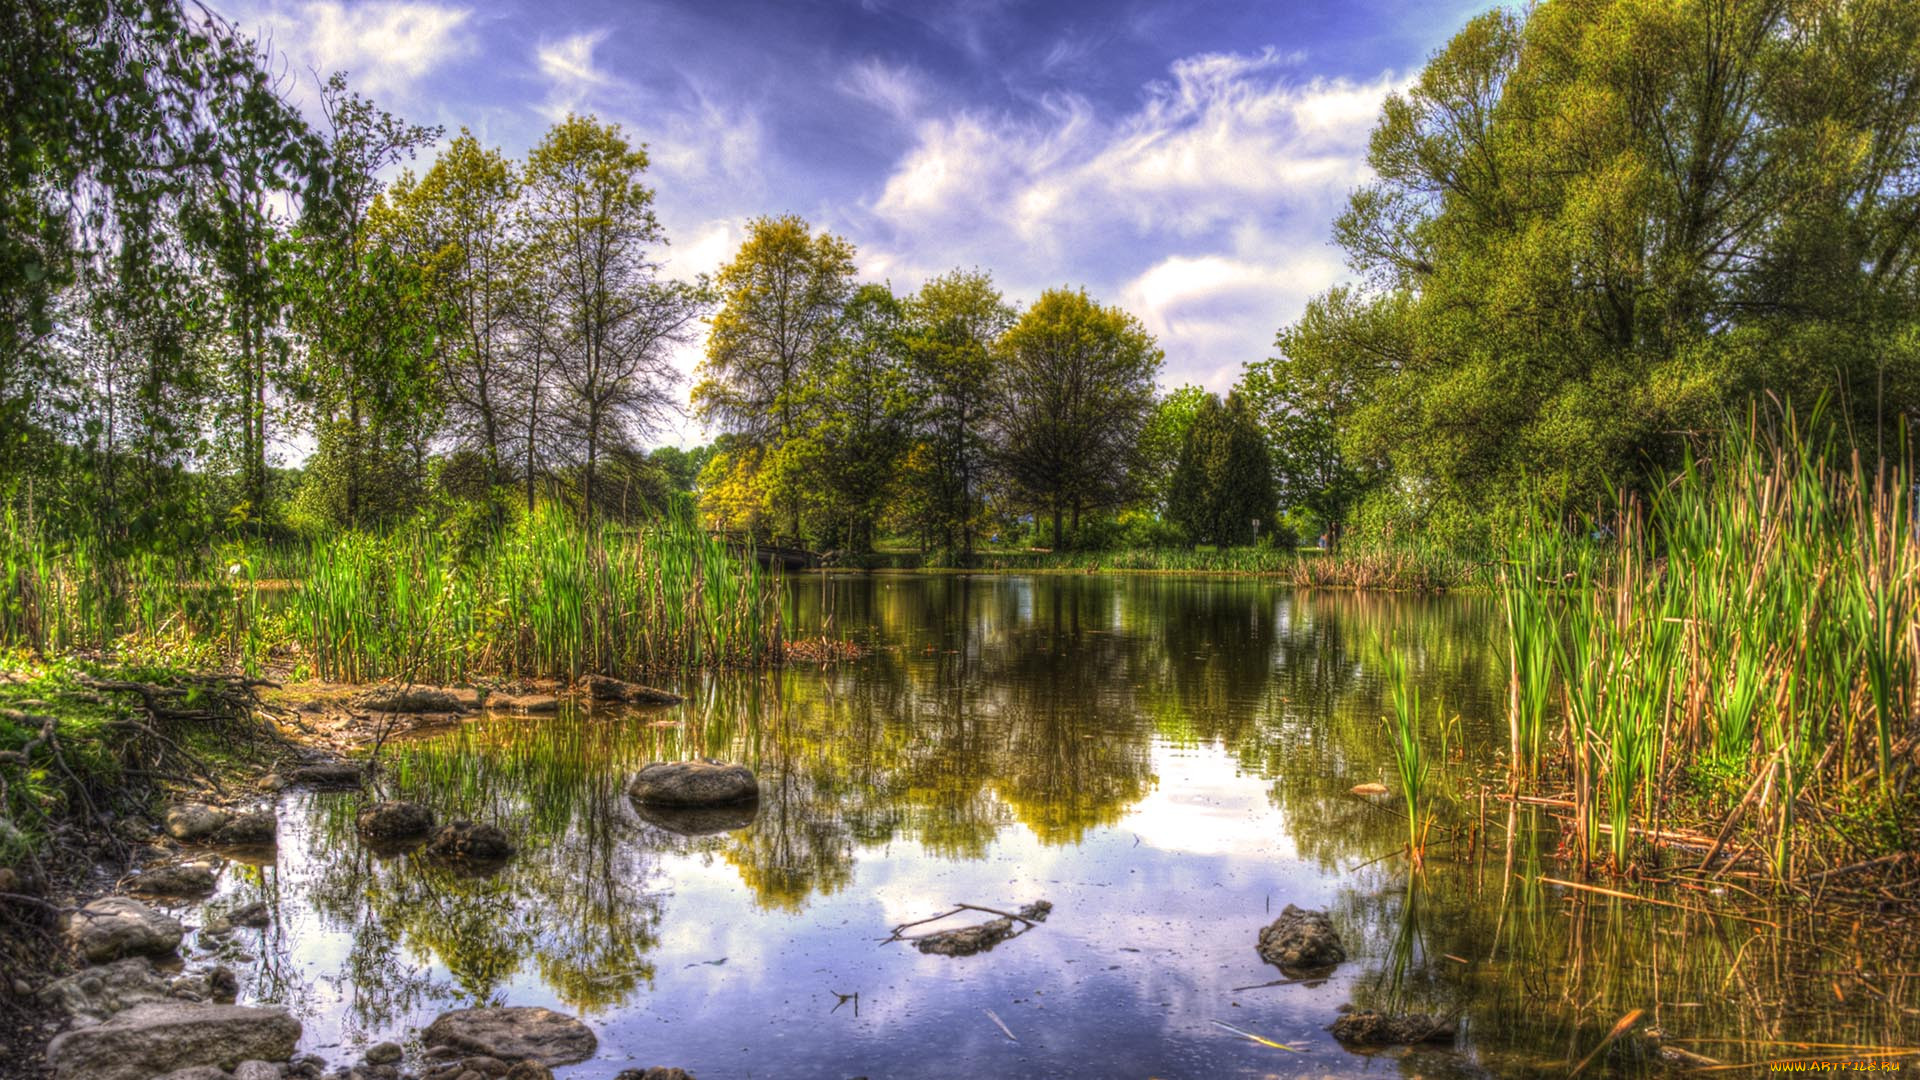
[[1167, 760]]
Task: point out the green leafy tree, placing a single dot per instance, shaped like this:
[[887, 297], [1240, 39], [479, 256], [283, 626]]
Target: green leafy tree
[[1300, 398], [1163, 439], [864, 410], [778, 328], [367, 321], [1595, 225], [457, 223], [615, 320], [682, 467], [954, 324], [1223, 485], [121, 125], [1075, 388]]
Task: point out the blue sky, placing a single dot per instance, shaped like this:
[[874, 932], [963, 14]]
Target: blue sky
[[1182, 159]]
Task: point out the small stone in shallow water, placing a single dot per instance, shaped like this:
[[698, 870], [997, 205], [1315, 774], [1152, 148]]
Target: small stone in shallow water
[[967, 940], [654, 1073], [602, 688], [332, 775], [394, 820], [471, 842], [249, 829], [1301, 940], [383, 1053], [1368, 1028], [174, 879]]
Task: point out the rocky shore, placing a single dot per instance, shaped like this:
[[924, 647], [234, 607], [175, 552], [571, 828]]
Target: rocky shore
[[147, 984]]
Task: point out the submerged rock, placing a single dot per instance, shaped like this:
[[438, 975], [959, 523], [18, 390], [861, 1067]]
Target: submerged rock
[[655, 1073], [979, 938], [699, 820], [1301, 940], [188, 822], [167, 1036], [254, 828], [471, 842], [602, 688], [514, 1034], [524, 703], [694, 783], [1367, 1028], [339, 774], [113, 927], [394, 820], [173, 879], [967, 940], [419, 699]]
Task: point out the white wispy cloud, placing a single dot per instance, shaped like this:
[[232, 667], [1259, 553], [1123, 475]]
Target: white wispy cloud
[[1205, 209], [387, 47], [893, 89]]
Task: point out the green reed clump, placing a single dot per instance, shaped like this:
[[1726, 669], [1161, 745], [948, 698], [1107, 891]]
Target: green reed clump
[[1755, 630], [1411, 763], [544, 597]]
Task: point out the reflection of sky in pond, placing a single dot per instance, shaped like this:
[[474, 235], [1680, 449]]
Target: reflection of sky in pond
[[1166, 760]]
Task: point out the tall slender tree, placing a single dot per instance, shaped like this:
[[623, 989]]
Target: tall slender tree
[[954, 323], [616, 319]]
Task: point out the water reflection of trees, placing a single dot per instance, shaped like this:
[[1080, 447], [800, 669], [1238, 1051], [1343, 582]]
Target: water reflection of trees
[[573, 905], [987, 703]]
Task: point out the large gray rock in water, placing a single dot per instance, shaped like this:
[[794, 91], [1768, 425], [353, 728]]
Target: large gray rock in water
[[116, 926], [514, 1033], [1301, 940], [151, 1039], [694, 783]]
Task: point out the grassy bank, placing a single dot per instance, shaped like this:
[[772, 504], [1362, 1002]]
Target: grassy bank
[[1397, 567], [545, 596], [1738, 656]]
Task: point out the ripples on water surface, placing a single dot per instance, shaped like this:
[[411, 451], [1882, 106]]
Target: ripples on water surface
[[1167, 760]]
